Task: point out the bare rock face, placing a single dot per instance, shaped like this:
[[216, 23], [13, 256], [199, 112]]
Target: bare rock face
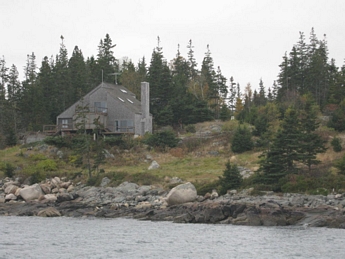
[[181, 194], [32, 192]]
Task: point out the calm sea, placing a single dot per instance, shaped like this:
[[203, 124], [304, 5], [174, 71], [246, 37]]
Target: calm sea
[[34, 237]]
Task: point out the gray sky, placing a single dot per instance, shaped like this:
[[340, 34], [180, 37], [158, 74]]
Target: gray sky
[[247, 38]]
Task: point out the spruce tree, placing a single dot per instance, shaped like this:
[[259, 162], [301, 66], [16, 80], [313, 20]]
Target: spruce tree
[[242, 140], [279, 159], [77, 75], [160, 87], [310, 143], [231, 178], [106, 62]]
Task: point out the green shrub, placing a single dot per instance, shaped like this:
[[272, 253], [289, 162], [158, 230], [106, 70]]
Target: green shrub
[[340, 165], [93, 180], [46, 165], [161, 139], [57, 141], [38, 157], [190, 128], [114, 141], [336, 144], [203, 188], [8, 169], [36, 177]]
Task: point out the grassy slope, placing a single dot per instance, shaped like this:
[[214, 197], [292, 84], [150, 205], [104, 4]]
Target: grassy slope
[[204, 163]]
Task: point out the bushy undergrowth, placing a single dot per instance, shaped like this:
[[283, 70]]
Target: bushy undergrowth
[[206, 187], [58, 141], [336, 144], [191, 144], [163, 139], [7, 168], [116, 178]]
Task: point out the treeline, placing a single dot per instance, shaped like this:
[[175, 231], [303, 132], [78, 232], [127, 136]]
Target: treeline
[[181, 92]]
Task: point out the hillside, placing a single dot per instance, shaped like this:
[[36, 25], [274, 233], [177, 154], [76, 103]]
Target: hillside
[[199, 157]]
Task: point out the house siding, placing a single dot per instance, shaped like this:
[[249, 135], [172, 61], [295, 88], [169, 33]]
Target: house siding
[[117, 110]]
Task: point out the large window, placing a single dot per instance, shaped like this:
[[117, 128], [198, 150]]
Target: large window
[[65, 123], [101, 107], [124, 126]]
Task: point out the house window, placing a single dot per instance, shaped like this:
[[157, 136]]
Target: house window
[[66, 123], [101, 107], [124, 126]]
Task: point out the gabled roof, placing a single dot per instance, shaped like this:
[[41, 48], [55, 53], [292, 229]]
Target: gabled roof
[[122, 94], [117, 92]]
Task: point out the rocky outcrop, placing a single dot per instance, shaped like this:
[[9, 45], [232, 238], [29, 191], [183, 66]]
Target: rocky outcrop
[[180, 205]]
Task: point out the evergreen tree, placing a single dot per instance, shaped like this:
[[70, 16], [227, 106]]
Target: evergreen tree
[[3, 78], [142, 70], [262, 94], [4, 111], [77, 75], [14, 96], [47, 85], [337, 120], [106, 62], [242, 140], [191, 61], [31, 103], [310, 143], [278, 160], [131, 78], [231, 178], [209, 74], [160, 87], [225, 113], [62, 87], [232, 95], [94, 77]]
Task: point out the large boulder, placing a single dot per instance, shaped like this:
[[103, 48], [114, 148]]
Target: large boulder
[[11, 189], [32, 192], [181, 194]]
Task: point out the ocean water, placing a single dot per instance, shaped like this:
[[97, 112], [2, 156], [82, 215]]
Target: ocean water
[[34, 237]]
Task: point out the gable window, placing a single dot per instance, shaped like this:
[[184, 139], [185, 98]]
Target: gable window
[[101, 107], [124, 126]]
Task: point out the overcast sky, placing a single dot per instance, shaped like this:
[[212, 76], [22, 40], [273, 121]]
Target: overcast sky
[[247, 38]]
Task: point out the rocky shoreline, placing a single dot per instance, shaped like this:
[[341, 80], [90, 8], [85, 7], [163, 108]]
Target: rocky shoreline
[[56, 197]]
